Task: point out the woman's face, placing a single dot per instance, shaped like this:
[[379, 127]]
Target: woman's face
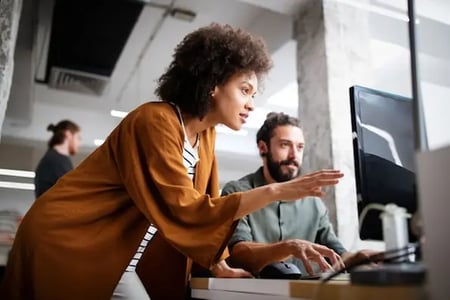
[[233, 101]]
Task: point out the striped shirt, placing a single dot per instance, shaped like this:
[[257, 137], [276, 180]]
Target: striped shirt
[[190, 159]]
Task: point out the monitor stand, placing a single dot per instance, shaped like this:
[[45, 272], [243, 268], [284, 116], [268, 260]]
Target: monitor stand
[[389, 274]]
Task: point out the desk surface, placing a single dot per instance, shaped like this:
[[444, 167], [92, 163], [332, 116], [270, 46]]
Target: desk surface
[[248, 289]]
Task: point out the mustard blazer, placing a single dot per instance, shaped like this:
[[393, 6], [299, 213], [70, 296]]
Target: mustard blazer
[[78, 237]]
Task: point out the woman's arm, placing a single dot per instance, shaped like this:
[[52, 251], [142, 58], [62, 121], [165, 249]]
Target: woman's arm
[[301, 187]]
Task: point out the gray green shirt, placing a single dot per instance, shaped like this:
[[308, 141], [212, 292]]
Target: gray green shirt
[[306, 219]]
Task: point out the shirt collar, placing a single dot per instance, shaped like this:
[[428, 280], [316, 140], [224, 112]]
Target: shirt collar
[[258, 178]]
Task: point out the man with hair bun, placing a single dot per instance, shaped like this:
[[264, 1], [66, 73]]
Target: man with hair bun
[[65, 142]]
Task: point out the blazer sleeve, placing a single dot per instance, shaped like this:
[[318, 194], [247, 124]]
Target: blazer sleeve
[[242, 231], [214, 191], [148, 148]]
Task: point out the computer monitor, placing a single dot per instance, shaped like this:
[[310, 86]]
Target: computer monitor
[[383, 146]]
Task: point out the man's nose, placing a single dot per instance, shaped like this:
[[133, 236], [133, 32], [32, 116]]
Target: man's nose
[[292, 153]]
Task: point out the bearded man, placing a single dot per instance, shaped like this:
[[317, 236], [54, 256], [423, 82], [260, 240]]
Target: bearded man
[[299, 232]]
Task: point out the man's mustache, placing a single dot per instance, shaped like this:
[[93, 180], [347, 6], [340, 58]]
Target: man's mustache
[[289, 162]]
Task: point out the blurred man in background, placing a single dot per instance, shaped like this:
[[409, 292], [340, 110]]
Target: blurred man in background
[[65, 142]]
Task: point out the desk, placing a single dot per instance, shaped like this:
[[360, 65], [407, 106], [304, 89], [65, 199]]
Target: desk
[[275, 289]]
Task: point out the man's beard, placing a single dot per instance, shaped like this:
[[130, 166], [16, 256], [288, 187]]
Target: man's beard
[[72, 150], [275, 171]]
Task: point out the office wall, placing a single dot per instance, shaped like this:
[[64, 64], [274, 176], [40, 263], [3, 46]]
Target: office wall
[[22, 156], [345, 43], [433, 168]]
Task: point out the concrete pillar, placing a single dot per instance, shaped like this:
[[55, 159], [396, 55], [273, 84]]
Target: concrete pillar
[[333, 50], [9, 24]]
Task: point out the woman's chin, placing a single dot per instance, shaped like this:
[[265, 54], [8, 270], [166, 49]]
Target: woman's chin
[[234, 127]]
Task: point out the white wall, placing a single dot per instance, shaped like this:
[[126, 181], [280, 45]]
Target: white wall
[[22, 157], [16, 200], [433, 191], [390, 69]]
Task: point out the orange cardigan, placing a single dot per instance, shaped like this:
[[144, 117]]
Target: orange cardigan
[[77, 238]]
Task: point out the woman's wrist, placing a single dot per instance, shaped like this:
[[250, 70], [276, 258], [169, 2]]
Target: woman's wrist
[[272, 192]]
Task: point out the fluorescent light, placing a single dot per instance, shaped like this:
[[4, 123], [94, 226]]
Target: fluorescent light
[[98, 142], [118, 113], [16, 185], [256, 118], [17, 173], [183, 14], [386, 53], [226, 130], [287, 97]]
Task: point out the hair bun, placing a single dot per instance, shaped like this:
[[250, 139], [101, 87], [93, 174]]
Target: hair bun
[[51, 127]]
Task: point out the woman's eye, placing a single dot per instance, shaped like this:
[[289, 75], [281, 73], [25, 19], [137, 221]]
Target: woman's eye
[[245, 91]]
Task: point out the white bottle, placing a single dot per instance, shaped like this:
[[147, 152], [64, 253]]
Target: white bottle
[[395, 228]]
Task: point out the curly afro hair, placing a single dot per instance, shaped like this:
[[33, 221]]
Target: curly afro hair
[[206, 58]]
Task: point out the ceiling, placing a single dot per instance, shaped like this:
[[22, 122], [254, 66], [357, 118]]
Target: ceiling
[[80, 59], [107, 55]]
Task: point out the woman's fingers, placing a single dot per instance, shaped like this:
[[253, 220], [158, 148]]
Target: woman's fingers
[[328, 172], [320, 179], [310, 184], [324, 175]]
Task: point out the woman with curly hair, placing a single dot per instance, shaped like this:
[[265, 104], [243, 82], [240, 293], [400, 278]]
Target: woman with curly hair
[[153, 186]]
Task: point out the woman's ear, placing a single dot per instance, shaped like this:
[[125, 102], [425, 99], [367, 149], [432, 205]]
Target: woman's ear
[[214, 92]]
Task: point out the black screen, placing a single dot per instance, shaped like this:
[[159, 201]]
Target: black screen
[[383, 145]]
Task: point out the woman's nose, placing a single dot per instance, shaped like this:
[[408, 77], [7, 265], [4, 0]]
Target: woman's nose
[[249, 105]]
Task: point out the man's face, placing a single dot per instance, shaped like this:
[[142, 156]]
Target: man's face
[[285, 153], [74, 142]]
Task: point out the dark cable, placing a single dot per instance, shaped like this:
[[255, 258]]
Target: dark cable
[[386, 256]]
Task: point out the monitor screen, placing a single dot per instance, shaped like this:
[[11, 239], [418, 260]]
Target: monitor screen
[[383, 146]]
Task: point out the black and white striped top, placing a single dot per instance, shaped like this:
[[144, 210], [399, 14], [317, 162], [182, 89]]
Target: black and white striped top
[[190, 159]]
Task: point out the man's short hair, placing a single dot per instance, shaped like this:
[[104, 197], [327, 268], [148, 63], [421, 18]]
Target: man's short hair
[[273, 120]]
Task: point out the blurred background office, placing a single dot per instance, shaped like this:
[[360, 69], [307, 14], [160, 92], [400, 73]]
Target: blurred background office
[[95, 60]]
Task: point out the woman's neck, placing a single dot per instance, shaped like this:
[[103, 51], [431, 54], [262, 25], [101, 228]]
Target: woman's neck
[[193, 126]]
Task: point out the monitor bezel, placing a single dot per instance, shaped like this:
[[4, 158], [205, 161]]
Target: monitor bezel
[[357, 135]]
